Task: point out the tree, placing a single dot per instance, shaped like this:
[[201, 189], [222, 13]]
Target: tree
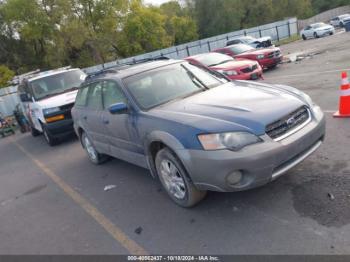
[[5, 75]]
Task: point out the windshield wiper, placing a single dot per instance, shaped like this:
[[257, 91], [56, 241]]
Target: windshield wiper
[[194, 79]]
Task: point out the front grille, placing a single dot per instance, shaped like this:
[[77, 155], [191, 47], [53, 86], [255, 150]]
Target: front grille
[[249, 69], [287, 123], [274, 54]]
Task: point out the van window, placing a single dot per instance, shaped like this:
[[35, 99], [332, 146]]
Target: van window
[[81, 97], [94, 99], [52, 85], [112, 94]]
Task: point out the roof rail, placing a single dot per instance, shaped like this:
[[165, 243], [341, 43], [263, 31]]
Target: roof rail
[[114, 69]]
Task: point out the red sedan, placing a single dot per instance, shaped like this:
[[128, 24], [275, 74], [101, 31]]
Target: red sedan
[[233, 68], [267, 57]]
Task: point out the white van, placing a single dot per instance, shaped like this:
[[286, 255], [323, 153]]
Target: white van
[[47, 99]]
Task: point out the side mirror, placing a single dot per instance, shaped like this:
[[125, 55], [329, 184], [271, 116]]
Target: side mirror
[[119, 108], [24, 97]]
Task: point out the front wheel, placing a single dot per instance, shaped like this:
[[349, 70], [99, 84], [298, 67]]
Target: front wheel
[[52, 141], [304, 37], [316, 35], [175, 180]]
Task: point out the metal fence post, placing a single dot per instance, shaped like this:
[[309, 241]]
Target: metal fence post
[[278, 36], [245, 33], [260, 32], [188, 51], [288, 28], [208, 46]]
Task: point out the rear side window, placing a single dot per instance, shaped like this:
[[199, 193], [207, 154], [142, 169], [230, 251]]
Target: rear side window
[[94, 99], [112, 94], [81, 97]]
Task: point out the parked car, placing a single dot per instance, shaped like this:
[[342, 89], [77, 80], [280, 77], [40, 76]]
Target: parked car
[[317, 30], [47, 99], [193, 130], [340, 20], [266, 57], [252, 41], [233, 68]]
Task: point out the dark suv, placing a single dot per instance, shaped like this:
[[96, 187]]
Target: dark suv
[[195, 130]]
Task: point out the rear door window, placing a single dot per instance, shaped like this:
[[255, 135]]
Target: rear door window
[[94, 99]]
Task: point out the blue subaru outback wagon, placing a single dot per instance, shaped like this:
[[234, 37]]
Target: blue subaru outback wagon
[[193, 129]]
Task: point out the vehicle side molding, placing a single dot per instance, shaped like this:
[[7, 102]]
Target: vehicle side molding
[[118, 108]]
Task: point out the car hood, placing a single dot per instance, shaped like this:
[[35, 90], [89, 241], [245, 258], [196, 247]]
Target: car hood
[[58, 100], [234, 64], [238, 106]]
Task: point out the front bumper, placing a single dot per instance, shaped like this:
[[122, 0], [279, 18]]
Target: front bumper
[[270, 62], [256, 74], [60, 128], [326, 32], [259, 163]]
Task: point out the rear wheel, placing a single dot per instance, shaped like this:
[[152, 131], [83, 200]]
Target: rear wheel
[[316, 35], [95, 157], [175, 180], [304, 37]]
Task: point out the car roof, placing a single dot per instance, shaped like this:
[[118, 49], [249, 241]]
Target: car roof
[[127, 70], [49, 73], [344, 15]]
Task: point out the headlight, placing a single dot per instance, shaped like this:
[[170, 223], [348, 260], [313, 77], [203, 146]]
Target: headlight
[[228, 73], [260, 56], [233, 141], [48, 111]]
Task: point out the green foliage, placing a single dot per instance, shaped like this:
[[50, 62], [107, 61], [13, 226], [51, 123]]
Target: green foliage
[[52, 33], [5, 75]]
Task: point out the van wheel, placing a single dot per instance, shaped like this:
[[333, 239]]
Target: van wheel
[[175, 180], [304, 37], [52, 141], [34, 132], [95, 157]]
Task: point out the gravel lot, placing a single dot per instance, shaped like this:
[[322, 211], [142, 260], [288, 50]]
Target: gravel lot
[[52, 200]]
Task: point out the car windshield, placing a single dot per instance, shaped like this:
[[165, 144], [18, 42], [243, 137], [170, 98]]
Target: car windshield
[[239, 49], [318, 25], [213, 59], [159, 86], [57, 84]]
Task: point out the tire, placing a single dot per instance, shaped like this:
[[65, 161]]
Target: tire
[[34, 132], [52, 141], [304, 37], [95, 157], [331, 33], [316, 35], [341, 24], [182, 192]]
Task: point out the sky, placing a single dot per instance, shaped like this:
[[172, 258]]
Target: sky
[[156, 2]]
